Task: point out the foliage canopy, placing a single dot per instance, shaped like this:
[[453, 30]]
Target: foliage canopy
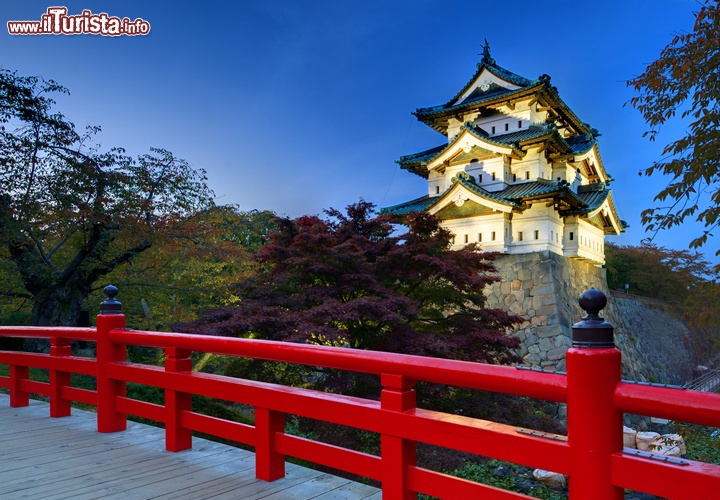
[[655, 272], [685, 81], [349, 280], [71, 213]]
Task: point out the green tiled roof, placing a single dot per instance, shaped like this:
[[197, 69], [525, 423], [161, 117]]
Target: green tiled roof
[[512, 139], [580, 144], [416, 205], [541, 84], [515, 138], [593, 199], [514, 196], [498, 196], [423, 156], [487, 97]]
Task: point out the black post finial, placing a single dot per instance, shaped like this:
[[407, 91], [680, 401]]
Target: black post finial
[[110, 306], [593, 331]]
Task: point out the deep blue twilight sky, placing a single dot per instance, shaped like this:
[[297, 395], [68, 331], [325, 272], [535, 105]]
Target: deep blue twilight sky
[[296, 106]]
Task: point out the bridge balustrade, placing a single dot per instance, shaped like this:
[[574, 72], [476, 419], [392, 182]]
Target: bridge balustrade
[[591, 454]]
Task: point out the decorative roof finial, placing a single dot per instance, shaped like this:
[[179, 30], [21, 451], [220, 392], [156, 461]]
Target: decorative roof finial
[[486, 54]]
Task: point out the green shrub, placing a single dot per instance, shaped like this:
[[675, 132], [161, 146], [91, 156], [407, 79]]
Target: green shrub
[[506, 476]]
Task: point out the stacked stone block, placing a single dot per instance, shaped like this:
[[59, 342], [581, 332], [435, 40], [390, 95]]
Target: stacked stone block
[[542, 288]]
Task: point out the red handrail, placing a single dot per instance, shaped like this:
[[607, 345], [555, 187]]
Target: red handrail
[[592, 455]]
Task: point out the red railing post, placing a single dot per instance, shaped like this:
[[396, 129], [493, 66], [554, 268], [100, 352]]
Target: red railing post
[[269, 464], [177, 438], [398, 454], [594, 368], [59, 407], [108, 390], [18, 397]]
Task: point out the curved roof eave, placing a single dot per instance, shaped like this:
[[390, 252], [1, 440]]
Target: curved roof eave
[[479, 194]]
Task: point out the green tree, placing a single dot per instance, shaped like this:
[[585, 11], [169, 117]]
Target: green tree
[[71, 213], [656, 272], [179, 277], [685, 80]]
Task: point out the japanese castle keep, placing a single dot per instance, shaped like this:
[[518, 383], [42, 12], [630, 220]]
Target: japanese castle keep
[[521, 174]]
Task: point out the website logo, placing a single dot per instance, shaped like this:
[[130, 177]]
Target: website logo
[[56, 21]]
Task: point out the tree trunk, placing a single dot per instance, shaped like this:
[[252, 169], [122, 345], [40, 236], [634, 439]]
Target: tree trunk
[[57, 306]]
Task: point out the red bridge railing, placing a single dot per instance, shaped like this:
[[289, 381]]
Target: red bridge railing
[[592, 454]]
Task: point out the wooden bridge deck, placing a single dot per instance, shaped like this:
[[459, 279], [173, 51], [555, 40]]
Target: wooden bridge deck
[[56, 458]]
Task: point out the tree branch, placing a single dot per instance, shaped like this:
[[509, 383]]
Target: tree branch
[[41, 250], [57, 247], [23, 295], [126, 256]]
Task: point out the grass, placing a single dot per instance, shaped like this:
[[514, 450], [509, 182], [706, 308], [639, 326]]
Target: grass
[[506, 476]]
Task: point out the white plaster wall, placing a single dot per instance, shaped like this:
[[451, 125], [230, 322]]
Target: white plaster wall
[[588, 241], [534, 163], [518, 119], [538, 218], [483, 225], [436, 183]]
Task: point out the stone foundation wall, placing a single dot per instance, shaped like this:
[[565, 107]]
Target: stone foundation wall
[[543, 289]]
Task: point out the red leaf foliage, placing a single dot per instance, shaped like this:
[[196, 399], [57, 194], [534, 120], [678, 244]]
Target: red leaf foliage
[[351, 280]]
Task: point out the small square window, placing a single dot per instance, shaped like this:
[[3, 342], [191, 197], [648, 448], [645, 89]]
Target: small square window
[[537, 234]]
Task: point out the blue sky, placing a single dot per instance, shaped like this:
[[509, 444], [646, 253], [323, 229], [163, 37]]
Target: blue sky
[[296, 106]]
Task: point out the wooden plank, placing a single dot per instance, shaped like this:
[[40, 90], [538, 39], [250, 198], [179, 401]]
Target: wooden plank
[[54, 459]]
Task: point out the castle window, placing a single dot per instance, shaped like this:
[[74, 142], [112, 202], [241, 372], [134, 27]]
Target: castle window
[[492, 237], [527, 175], [479, 237], [520, 236], [437, 189], [453, 239], [467, 238], [551, 235], [480, 178], [519, 123], [507, 127], [493, 129], [557, 238], [537, 234], [514, 177], [572, 236], [493, 176]]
